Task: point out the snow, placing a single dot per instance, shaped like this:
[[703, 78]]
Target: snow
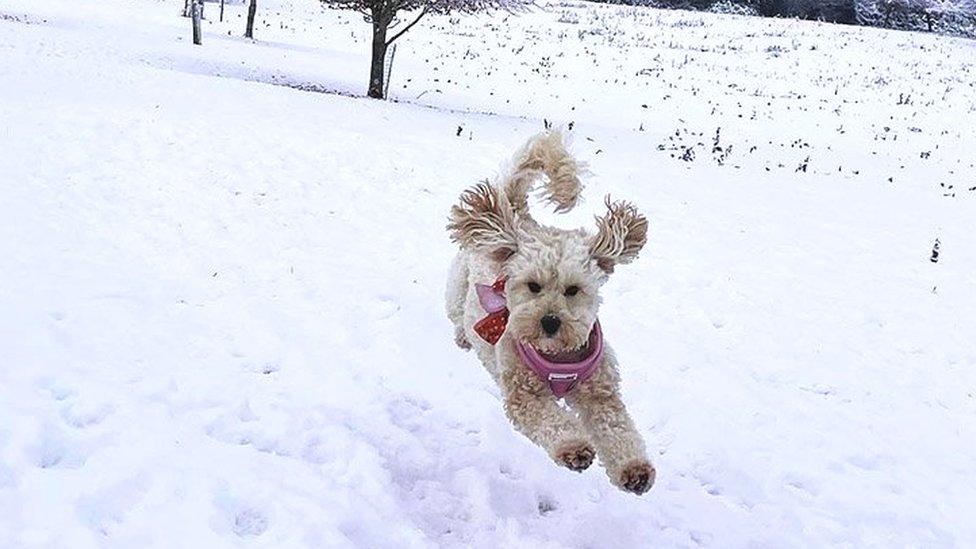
[[221, 298]]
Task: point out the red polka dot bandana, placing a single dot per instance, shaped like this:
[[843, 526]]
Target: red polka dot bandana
[[492, 298]]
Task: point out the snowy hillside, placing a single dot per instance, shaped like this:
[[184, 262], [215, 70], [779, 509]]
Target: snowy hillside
[[221, 298]]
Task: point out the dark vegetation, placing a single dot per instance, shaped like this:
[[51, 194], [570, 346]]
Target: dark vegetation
[[952, 17]]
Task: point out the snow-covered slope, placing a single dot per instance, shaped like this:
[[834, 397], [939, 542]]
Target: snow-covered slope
[[221, 299]]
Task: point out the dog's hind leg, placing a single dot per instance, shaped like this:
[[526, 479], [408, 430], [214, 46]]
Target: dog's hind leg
[[606, 420], [457, 292], [536, 414]]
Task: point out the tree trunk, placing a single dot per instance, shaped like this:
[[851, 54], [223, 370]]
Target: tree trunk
[[252, 10], [379, 56], [221, 11], [197, 34], [187, 8]]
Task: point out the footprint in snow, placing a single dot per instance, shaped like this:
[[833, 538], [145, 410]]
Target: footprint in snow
[[81, 414], [250, 523], [238, 514], [547, 505], [108, 507], [54, 450]]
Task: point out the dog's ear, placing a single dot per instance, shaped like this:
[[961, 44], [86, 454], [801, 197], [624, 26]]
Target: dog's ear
[[484, 221], [621, 233]]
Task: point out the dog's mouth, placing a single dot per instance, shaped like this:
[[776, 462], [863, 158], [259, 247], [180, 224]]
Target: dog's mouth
[[572, 355], [592, 347]]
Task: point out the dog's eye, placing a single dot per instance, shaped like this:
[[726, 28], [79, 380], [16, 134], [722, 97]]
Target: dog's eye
[[571, 291], [534, 287]]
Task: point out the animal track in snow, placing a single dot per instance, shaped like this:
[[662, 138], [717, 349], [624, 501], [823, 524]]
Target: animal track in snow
[[54, 450], [107, 508], [250, 522], [547, 505], [82, 414], [239, 514]]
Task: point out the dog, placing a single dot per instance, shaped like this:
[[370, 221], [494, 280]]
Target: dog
[[525, 297]]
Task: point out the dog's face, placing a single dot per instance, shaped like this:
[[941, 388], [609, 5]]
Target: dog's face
[[554, 276], [553, 292]]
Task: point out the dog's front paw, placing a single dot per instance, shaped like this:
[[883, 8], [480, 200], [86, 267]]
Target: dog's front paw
[[637, 476], [461, 339], [575, 455]]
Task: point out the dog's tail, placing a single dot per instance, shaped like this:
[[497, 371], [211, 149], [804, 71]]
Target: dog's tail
[[544, 154]]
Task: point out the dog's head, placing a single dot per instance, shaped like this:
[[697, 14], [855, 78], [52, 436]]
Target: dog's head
[[554, 275]]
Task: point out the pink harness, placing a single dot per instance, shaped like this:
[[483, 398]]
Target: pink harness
[[562, 378]]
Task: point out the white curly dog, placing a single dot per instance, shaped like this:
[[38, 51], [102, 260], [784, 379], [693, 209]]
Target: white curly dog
[[526, 296]]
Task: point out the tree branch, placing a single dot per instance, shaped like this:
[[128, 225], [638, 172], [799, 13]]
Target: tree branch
[[405, 29]]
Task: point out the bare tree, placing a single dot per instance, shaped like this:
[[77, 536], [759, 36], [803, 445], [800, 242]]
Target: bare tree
[[252, 10], [197, 14], [383, 16]]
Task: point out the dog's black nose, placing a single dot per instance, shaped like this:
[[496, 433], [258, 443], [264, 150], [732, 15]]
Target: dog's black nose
[[550, 324]]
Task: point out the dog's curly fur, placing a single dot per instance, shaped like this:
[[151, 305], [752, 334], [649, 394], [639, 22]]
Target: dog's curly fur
[[498, 236]]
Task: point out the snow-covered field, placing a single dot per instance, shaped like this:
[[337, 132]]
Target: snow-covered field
[[221, 297]]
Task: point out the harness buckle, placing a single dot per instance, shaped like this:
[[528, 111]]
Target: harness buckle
[[555, 376]]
